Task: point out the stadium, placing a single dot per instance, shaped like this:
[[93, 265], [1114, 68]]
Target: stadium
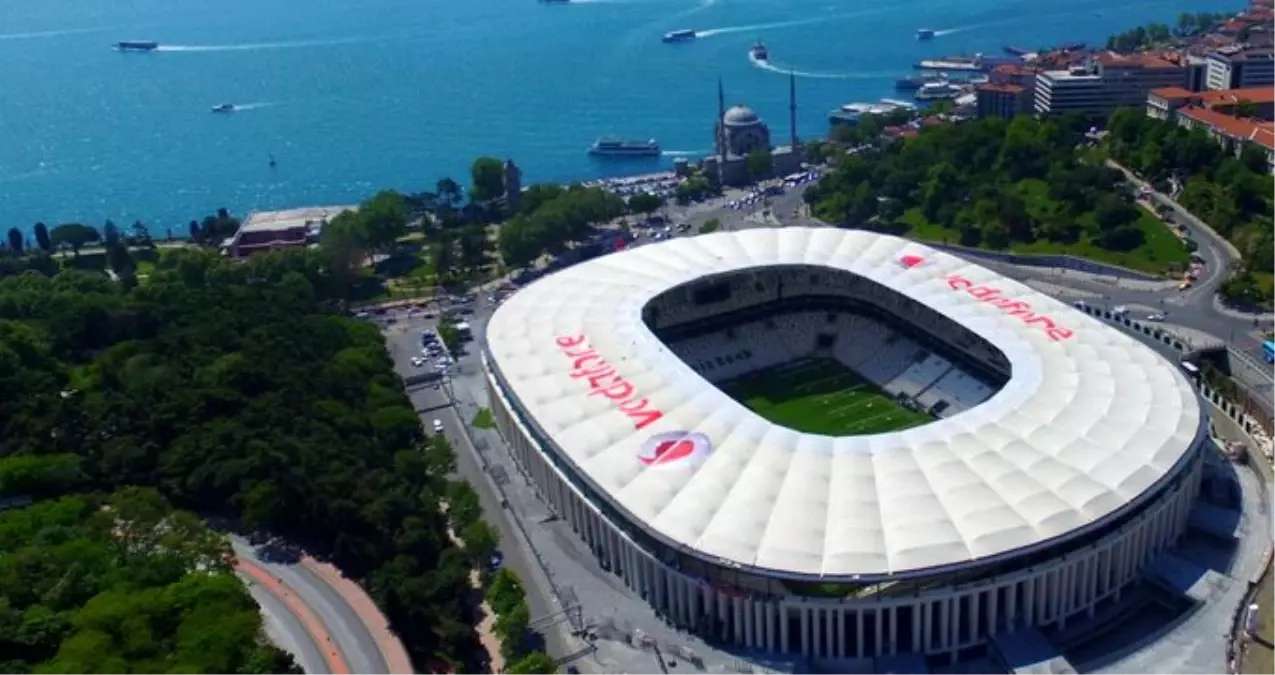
[[841, 445]]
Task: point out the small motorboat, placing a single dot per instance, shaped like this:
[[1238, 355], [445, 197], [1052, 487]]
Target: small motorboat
[[925, 33], [224, 108]]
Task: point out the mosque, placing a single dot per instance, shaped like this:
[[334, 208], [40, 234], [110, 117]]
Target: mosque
[[741, 132]]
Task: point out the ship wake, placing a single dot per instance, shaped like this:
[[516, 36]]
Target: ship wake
[[262, 46], [765, 64]]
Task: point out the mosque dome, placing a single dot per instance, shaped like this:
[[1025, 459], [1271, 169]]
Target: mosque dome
[[741, 115]]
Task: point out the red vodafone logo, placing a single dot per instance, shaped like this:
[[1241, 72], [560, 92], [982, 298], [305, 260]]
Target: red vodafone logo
[[907, 262], [675, 448]]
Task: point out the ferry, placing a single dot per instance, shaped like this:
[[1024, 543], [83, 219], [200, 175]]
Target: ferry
[[758, 52], [950, 63], [851, 113], [136, 46], [925, 33], [224, 108], [618, 147], [939, 91], [914, 82], [684, 35]]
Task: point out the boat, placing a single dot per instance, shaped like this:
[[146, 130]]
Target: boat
[[938, 91], [758, 52], [609, 146], [554, 2], [684, 35], [1070, 47], [914, 82], [925, 33], [1014, 50], [224, 108], [950, 63], [136, 46], [851, 113]]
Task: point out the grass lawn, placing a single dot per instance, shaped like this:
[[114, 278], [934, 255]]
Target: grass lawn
[[483, 420], [1161, 251], [821, 396]]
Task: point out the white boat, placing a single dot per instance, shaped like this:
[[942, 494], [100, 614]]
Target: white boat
[[758, 52], [937, 91], [684, 35], [224, 108]]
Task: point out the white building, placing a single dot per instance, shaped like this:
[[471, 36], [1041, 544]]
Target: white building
[[1063, 459]]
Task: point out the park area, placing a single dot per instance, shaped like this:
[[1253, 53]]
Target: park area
[[821, 396]]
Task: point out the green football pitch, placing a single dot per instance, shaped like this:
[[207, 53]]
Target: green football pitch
[[821, 396]]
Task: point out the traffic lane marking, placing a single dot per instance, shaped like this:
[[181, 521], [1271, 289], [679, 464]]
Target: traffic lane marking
[[318, 632]]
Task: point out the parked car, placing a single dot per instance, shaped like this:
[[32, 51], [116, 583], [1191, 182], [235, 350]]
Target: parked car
[[438, 426]]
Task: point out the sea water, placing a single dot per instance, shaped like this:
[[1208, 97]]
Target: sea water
[[350, 96]]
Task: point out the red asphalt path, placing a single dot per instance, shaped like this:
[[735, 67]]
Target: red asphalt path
[[318, 632], [387, 642]]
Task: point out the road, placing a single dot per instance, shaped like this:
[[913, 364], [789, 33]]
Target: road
[[325, 615], [403, 341]]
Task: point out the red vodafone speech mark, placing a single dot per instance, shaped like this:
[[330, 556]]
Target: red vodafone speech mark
[[910, 261], [675, 447], [669, 451]]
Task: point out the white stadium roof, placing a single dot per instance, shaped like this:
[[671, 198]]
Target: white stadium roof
[[1086, 425]]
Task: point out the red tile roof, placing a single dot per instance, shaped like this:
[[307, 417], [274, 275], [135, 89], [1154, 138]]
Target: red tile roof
[[993, 88], [1110, 59], [1262, 133], [1210, 99]]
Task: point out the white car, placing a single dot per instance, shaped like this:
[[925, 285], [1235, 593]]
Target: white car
[[438, 426], [418, 361], [1155, 317]]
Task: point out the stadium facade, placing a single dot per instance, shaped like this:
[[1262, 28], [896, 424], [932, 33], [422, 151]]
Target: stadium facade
[[1061, 458]]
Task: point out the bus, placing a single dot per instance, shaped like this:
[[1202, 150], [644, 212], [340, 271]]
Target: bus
[[1268, 350]]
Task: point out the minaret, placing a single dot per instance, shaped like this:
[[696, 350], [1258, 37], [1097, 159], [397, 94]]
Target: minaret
[[721, 121], [792, 109]]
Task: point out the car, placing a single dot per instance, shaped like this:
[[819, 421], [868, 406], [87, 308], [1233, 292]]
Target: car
[[497, 561], [418, 361], [1186, 283], [438, 426], [1155, 317]]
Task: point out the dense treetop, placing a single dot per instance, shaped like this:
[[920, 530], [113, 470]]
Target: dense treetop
[[1025, 185], [123, 584], [1232, 194], [234, 389]]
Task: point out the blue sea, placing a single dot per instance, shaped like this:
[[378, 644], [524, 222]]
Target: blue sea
[[354, 95]]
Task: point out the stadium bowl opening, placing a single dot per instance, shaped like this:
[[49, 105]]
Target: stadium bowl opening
[[840, 444]]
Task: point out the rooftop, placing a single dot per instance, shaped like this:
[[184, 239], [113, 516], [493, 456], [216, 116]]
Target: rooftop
[[992, 87], [1244, 53], [283, 220], [1222, 97], [1261, 133], [1110, 59], [1085, 427]]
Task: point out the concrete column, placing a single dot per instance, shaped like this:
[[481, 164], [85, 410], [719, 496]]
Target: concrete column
[[993, 605], [750, 634], [805, 630], [737, 614], [859, 647], [829, 619], [945, 623], [841, 633], [926, 626], [918, 618], [783, 628], [1011, 605], [877, 637], [974, 624], [771, 612]]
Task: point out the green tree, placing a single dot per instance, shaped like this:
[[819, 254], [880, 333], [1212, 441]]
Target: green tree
[[511, 627], [1245, 108], [384, 218], [760, 164], [645, 203], [73, 235], [42, 238], [481, 542], [505, 591], [710, 225], [15, 240], [487, 178], [537, 663]]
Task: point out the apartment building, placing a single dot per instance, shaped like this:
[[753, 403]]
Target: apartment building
[[1003, 100], [1108, 82], [1164, 103], [1240, 67]]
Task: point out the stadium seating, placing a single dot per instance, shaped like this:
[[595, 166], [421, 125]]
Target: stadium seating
[[919, 376], [889, 360], [959, 389]]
